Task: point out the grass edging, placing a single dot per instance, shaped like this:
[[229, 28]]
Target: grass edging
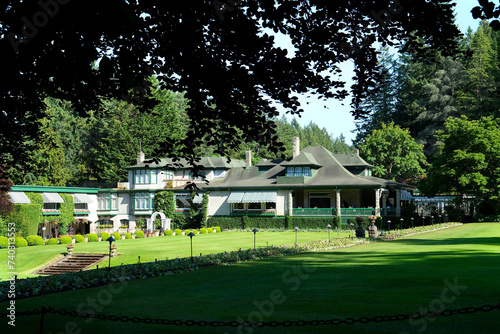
[[35, 286]]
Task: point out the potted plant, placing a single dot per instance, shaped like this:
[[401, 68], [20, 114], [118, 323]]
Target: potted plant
[[113, 250]]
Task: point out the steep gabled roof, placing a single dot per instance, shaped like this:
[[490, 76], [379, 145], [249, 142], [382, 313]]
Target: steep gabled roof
[[303, 159], [331, 174], [351, 160], [206, 162]]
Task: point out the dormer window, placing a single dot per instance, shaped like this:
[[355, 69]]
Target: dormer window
[[298, 171], [145, 176]]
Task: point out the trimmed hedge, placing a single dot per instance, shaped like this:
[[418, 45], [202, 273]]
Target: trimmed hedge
[[92, 237], [79, 238], [21, 242], [178, 232], [169, 232], [52, 241], [139, 234], [287, 222], [34, 240], [186, 232], [65, 240], [210, 230], [4, 242], [203, 230], [67, 212], [128, 236], [217, 229], [117, 236], [104, 235], [26, 217]]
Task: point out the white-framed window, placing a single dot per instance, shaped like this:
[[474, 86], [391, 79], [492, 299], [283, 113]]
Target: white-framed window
[[298, 171], [142, 201], [238, 206], [107, 201], [200, 177], [50, 206], [270, 206], [81, 206], [169, 174], [254, 206], [143, 176]]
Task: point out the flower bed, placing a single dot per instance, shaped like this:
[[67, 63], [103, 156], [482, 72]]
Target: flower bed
[[85, 279]]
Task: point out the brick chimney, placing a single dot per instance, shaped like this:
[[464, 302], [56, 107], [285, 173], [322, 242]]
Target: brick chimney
[[356, 151], [140, 157], [248, 158], [296, 147]]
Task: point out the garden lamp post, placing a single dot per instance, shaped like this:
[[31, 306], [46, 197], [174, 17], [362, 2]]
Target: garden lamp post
[[110, 240], [412, 219], [191, 235], [389, 225], [328, 227], [401, 226], [254, 234], [296, 228]]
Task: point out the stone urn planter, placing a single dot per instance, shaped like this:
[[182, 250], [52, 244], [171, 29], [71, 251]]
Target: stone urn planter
[[113, 251], [70, 248], [123, 237], [372, 230], [156, 233], [133, 236], [86, 239]]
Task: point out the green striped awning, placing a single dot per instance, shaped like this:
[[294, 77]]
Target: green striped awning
[[81, 198], [52, 198], [251, 197], [268, 196], [19, 197], [235, 197]]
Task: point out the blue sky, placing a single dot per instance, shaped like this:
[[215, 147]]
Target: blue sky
[[337, 119]]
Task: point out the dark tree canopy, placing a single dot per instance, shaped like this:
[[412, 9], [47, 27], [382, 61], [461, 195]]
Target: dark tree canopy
[[215, 51]]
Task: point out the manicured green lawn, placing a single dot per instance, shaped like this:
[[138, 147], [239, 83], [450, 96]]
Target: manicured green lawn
[[30, 259], [452, 268]]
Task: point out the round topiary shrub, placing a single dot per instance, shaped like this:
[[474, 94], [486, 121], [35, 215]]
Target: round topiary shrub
[[139, 234], [217, 229], [186, 232], [128, 236], [104, 236], [210, 230], [117, 236], [4, 242], [52, 241], [178, 231], [21, 242], [92, 237], [65, 240], [79, 238], [203, 230], [169, 232], [34, 240]]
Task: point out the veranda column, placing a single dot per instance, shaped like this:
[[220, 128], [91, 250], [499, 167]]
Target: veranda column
[[377, 201], [337, 200], [384, 200], [290, 203], [398, 202]]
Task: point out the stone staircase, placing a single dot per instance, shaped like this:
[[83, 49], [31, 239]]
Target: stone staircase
[[71, 263]]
